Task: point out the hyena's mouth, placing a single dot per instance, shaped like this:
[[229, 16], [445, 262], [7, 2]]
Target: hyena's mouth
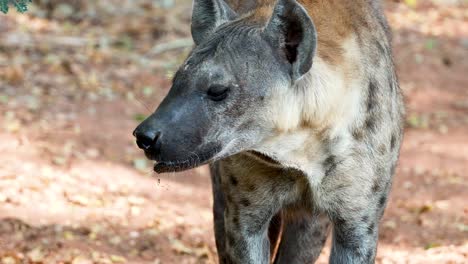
[[190, 163]]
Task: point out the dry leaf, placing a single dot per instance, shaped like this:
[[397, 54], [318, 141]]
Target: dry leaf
[[8, 260], [68, 235], [116, 258], [81, 260], [180, 248], [36, 255]]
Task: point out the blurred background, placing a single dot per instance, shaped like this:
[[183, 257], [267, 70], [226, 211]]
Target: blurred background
[[77, 76]]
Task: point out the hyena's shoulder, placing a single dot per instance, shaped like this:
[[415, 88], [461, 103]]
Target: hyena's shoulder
[[337, 21]]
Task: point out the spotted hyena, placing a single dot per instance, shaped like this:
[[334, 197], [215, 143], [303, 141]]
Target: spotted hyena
[[297, 109]]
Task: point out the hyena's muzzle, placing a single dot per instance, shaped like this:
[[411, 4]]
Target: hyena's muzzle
[[175, 135]]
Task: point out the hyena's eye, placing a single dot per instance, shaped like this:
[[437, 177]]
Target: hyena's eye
[[218, 92]]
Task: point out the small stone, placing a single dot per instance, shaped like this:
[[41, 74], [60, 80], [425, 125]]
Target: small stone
[[92, 153], [419, 170], [443, 129], [136, 200], [135, 210], [134, 234], [407, 185], [140, 164], [390, 224], [59, 160], [115, 240], [147, 91]]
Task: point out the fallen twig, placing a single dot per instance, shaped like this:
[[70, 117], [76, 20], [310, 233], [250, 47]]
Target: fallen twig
[[171, 45], [28, 40]]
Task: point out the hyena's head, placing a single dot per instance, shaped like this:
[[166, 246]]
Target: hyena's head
[[223, 96]]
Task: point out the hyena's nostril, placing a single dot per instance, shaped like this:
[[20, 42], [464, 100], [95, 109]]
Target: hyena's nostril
[[147, 140]]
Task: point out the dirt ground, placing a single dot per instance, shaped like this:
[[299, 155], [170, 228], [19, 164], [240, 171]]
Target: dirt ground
[[75, 79]]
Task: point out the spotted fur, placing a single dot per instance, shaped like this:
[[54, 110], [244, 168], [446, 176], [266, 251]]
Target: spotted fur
[[309, 133], [347, 97]]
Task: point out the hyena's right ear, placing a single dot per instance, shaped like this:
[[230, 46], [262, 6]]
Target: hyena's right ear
[[291, 29], [207, 15]]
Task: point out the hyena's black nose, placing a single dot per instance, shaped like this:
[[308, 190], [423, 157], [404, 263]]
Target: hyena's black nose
[[147, 140]]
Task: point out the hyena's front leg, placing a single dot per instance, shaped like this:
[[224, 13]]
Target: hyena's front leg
[[219, 205], [246, 217], [253, 195], [355, 224], [354, 240], [250, 247], [304, 236]]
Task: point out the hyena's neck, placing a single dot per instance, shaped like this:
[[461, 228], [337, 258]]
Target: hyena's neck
[[325, 100], [323, 106]]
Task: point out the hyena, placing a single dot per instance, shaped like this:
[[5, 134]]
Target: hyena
[[296, 107]]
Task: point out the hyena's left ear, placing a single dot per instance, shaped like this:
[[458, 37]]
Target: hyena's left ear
[[291, 29], [207, 15]]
